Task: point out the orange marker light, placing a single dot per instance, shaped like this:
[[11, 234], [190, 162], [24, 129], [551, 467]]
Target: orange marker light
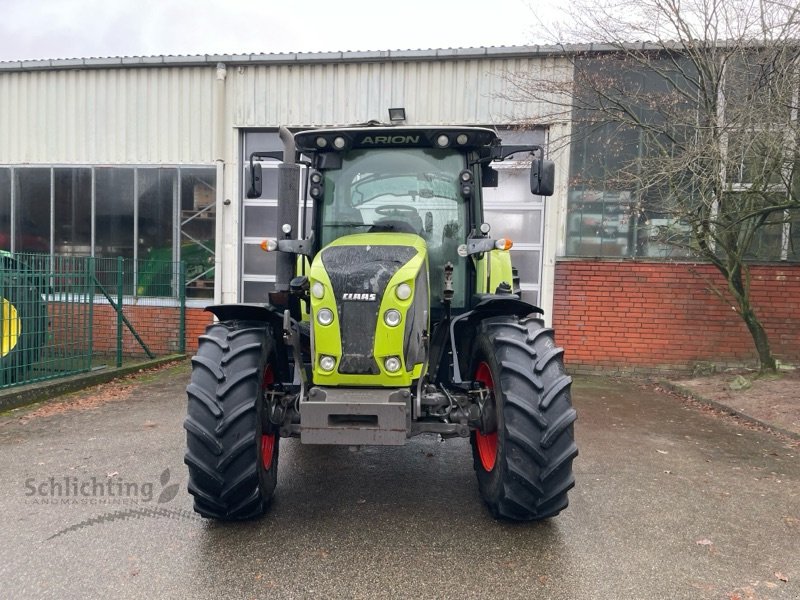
[[503, 244], [269, 245]]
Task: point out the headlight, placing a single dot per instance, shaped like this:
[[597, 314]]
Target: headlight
[[326, 363], [392, 317], [325, 316], [318, 290], [403, 291], [392, 364]]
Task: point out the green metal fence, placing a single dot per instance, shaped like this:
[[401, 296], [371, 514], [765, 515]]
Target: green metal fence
[[63, 315]]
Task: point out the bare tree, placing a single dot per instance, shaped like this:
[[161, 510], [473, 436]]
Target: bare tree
[[700, 122]]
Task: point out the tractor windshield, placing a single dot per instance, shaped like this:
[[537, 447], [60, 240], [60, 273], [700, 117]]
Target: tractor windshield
[[410, 190]]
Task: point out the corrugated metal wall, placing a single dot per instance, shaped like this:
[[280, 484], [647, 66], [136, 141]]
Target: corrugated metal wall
[[166, 114], [432, 91], [107, 116]]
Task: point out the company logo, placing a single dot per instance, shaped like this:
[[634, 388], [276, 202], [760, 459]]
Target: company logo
[[391, 139], [362, 297], [69, 490]]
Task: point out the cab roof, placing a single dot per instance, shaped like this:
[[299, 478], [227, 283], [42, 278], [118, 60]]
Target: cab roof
[[349, 138]]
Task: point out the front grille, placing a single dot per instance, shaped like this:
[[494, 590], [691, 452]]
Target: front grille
[[361, 270], [358, 321]]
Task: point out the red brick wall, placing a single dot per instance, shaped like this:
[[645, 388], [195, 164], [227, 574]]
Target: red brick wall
[[626, 315], [197, 320], [158, 326]]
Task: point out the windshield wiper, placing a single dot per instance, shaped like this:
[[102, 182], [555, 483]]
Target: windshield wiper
[[346, 224]]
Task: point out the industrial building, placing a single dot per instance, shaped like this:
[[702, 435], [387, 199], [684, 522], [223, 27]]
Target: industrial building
[[145, 157]]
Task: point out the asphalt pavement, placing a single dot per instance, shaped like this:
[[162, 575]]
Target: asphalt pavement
[[670, 502]]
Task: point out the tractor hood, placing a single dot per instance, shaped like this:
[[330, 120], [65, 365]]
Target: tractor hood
[[357, 277], [361, 265]]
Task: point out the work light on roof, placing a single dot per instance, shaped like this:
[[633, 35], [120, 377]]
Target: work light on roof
[[397, 115]]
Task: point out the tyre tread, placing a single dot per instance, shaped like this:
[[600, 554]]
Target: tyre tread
[[221, 422], [534, 471]]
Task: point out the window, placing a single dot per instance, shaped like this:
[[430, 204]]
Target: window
[[157, 188], [401, 190], [73, 211], [5, 209], [793, 236], [198, 229], [617, 206], [114, 233], [32, 214], [135, 210]]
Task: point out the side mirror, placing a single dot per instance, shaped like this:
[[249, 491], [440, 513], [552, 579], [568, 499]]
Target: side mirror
[[543, 177], [255, 181]]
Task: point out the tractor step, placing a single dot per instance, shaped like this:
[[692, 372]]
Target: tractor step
[[355, 416]]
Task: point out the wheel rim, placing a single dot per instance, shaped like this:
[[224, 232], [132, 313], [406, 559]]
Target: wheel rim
[[10, 327], [486, 442], [267, 439], [267, 449]]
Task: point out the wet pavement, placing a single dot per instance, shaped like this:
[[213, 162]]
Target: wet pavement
[[670, 502]]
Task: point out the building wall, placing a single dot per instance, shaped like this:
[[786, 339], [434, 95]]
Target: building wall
[[448, 91], [108, 116], [643, 316]]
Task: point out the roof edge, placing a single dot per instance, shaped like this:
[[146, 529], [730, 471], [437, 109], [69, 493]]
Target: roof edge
[[279, 58], [297, 58]]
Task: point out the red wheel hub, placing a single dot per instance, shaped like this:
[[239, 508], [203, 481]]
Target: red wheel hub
[[267, 449], [269, 377], [486, 442], [267, 439]]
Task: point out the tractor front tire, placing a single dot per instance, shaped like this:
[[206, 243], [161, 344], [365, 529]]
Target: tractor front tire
[[524, 458], [232, 450]]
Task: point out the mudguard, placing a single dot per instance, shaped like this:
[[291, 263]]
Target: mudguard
[[463, 327], [273, 317], [248, 312]]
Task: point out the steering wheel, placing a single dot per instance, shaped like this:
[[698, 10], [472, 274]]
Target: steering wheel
[[396, 210]]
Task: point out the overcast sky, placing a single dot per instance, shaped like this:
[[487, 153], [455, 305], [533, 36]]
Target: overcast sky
[[31, 29]]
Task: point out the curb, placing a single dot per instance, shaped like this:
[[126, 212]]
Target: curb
[[686, 392], [44, 390]]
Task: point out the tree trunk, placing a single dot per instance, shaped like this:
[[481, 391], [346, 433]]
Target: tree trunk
[[736, 276], [759, 334]]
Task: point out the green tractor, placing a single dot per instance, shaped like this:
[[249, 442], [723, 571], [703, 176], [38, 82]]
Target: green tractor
[[398, 315], [24, 322]]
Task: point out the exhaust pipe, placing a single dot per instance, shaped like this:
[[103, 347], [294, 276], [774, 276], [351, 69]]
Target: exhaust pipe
[[288, 208]]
